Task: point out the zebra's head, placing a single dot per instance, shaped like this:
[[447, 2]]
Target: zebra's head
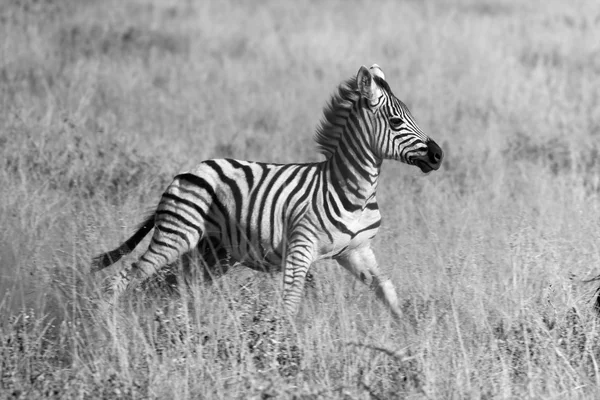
[[396, 135]]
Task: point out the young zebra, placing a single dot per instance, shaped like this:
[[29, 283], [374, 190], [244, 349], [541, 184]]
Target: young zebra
[[286, 217]]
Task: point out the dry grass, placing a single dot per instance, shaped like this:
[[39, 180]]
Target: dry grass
[[101, 103]]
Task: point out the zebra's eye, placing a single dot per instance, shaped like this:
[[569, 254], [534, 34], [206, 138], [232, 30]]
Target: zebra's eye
[[395, 122]]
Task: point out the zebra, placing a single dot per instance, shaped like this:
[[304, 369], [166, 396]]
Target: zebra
[[285, 217]]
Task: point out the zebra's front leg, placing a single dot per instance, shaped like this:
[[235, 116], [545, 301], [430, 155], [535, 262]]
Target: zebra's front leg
[[298, 259], [363, 265]]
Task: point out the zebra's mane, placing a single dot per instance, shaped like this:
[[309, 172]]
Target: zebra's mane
[[335, 113]]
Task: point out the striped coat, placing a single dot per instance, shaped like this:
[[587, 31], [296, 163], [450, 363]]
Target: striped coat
[[287, 216]]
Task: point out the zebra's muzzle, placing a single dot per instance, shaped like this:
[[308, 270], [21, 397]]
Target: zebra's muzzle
[[432, 160]]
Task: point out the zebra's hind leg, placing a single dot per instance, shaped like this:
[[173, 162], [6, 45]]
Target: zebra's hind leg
[[208, 262], [166, 247]]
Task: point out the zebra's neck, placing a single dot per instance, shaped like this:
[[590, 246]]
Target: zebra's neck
[[353, 169]]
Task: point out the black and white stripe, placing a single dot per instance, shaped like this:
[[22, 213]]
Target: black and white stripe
[[272, 216]]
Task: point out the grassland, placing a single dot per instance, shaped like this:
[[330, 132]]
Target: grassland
[[101, 103]]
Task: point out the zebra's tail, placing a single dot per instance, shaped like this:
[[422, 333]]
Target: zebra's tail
[[106, 259]]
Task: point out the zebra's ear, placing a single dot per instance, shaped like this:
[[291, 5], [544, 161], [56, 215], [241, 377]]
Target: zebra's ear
[[376, 70], [367, 86]]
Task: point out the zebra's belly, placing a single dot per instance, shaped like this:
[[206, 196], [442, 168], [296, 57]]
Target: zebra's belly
[[263, 255], [263, 249]]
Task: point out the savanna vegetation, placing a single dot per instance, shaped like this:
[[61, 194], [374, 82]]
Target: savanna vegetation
[[102, 102]]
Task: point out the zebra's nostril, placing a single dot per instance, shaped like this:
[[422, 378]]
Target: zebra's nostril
[[435, 157], [435, 153]]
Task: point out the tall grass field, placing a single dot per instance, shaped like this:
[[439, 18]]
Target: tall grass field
[[103, 102]]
